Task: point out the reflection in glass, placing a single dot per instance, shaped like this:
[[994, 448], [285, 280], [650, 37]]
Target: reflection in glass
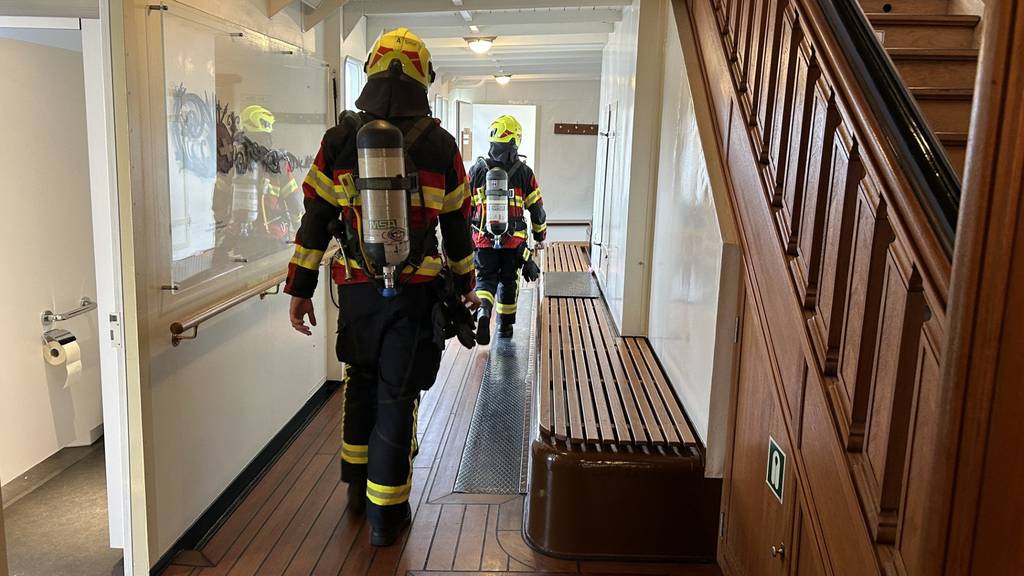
[[245, 116]]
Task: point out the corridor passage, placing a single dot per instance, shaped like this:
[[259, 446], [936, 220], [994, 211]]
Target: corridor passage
[[295, 522]]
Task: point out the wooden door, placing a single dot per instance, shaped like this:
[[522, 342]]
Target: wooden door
[[755, 539], [807, 557]]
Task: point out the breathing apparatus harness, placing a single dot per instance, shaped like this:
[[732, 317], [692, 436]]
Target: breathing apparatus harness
[[384, 172], [386, 250], [493, 188]]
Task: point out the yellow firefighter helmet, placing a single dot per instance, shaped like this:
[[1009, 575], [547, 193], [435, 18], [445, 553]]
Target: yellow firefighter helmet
[[506, 129], [400, 48], [256, 118]]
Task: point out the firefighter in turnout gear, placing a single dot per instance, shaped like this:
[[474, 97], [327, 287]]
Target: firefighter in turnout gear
[[390, 269], [504, 188]]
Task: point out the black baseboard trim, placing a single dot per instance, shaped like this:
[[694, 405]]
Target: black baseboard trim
[[214, 516]]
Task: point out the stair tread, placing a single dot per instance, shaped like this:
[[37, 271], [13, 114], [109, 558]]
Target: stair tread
[[933, 53], [952, 137], [940, 93], [924, 19]]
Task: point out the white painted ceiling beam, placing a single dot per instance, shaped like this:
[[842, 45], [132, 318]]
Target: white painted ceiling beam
[[373, 7], [527, 42], [532, 77], [491, 68], [501, 30], [482, 19], [311, 18]]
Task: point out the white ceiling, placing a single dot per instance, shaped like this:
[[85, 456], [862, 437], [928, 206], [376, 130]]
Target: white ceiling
[[536, 39]]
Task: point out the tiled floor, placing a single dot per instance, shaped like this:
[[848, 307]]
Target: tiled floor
[[296, 523]]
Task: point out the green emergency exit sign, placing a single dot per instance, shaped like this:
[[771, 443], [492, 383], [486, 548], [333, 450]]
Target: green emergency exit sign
[[776, 475]]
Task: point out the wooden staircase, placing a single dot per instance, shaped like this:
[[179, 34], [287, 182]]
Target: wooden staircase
[[934, 52]]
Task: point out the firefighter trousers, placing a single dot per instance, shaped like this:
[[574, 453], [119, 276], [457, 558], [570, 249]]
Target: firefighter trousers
[[497, 281], [390, 357]]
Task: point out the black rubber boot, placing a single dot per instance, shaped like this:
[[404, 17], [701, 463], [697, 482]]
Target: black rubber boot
[[387, 536], [483, 327], [357, 497], [505, 331]]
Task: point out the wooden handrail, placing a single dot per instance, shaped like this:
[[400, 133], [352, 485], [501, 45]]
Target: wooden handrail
[[920, 155], [188, 329]]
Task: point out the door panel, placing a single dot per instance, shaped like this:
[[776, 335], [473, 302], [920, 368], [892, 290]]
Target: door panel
[[756, 520], [807, 560]]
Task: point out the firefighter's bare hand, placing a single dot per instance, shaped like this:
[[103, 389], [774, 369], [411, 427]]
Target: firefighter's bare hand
[[297, 312], [538, 246], [471, 301]]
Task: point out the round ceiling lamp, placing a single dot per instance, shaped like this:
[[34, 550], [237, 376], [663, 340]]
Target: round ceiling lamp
[[502, 79], [481, 44]]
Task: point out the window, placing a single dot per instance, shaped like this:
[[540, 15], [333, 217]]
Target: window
[[355, 78]]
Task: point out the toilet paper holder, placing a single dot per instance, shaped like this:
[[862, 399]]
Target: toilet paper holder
[[58, 335], [49, 317]]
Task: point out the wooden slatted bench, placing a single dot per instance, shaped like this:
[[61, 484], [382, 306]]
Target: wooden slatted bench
[[616, 470], [567, 257]]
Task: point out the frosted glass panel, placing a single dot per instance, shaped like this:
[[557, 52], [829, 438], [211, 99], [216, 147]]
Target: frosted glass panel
[[245, 115]]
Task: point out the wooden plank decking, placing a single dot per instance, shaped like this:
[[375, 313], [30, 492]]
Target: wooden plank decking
[[296, 522]]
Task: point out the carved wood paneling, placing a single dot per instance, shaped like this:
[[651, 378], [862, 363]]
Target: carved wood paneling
[[791, 209], [917, 537], [872, 236], [825, 119], [767, 79], [844, 269], [846, 174], [783, 114]]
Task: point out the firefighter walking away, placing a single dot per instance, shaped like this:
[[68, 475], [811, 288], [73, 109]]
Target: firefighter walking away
[[385, 179], [504, 188]]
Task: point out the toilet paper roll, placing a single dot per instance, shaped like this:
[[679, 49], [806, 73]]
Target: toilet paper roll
[[65, 351]]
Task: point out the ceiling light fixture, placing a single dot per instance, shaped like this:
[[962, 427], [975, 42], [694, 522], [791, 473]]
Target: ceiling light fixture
[[502, 79], [480, 45]]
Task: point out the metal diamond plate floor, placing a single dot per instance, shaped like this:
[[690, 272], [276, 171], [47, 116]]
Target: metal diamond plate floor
[[571, 285], [494, 459]]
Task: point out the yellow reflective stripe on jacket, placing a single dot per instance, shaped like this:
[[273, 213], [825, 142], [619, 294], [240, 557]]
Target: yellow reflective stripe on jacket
[[507, 308], [464, 266], [346, 191], [532, 198], [538, 228], [354, 453], [323, 185], [453, 200], [434, 198], [291, 186], [307, 258], [382, 495]]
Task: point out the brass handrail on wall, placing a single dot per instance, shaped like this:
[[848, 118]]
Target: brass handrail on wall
[[188, 329]]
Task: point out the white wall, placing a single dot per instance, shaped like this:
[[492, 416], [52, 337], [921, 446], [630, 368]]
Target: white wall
[[210, 405], [695, 260], [49, 260], [622, 220], [563, 164], [354, 45]]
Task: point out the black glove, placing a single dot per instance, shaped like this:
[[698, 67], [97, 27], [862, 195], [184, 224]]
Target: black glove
[[450, 317], [531, 272]]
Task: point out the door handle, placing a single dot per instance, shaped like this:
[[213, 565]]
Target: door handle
[[779, 551]]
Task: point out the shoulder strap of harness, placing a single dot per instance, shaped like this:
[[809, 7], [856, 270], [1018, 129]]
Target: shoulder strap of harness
[[516, 167]]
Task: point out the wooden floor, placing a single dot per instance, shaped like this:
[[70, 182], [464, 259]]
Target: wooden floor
[[295, 522]]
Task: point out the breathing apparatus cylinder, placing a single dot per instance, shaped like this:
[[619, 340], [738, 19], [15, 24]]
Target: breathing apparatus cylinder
[[385, 219], [496, 201]]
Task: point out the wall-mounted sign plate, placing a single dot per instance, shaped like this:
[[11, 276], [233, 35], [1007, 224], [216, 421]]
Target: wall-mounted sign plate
[[776, 474]]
